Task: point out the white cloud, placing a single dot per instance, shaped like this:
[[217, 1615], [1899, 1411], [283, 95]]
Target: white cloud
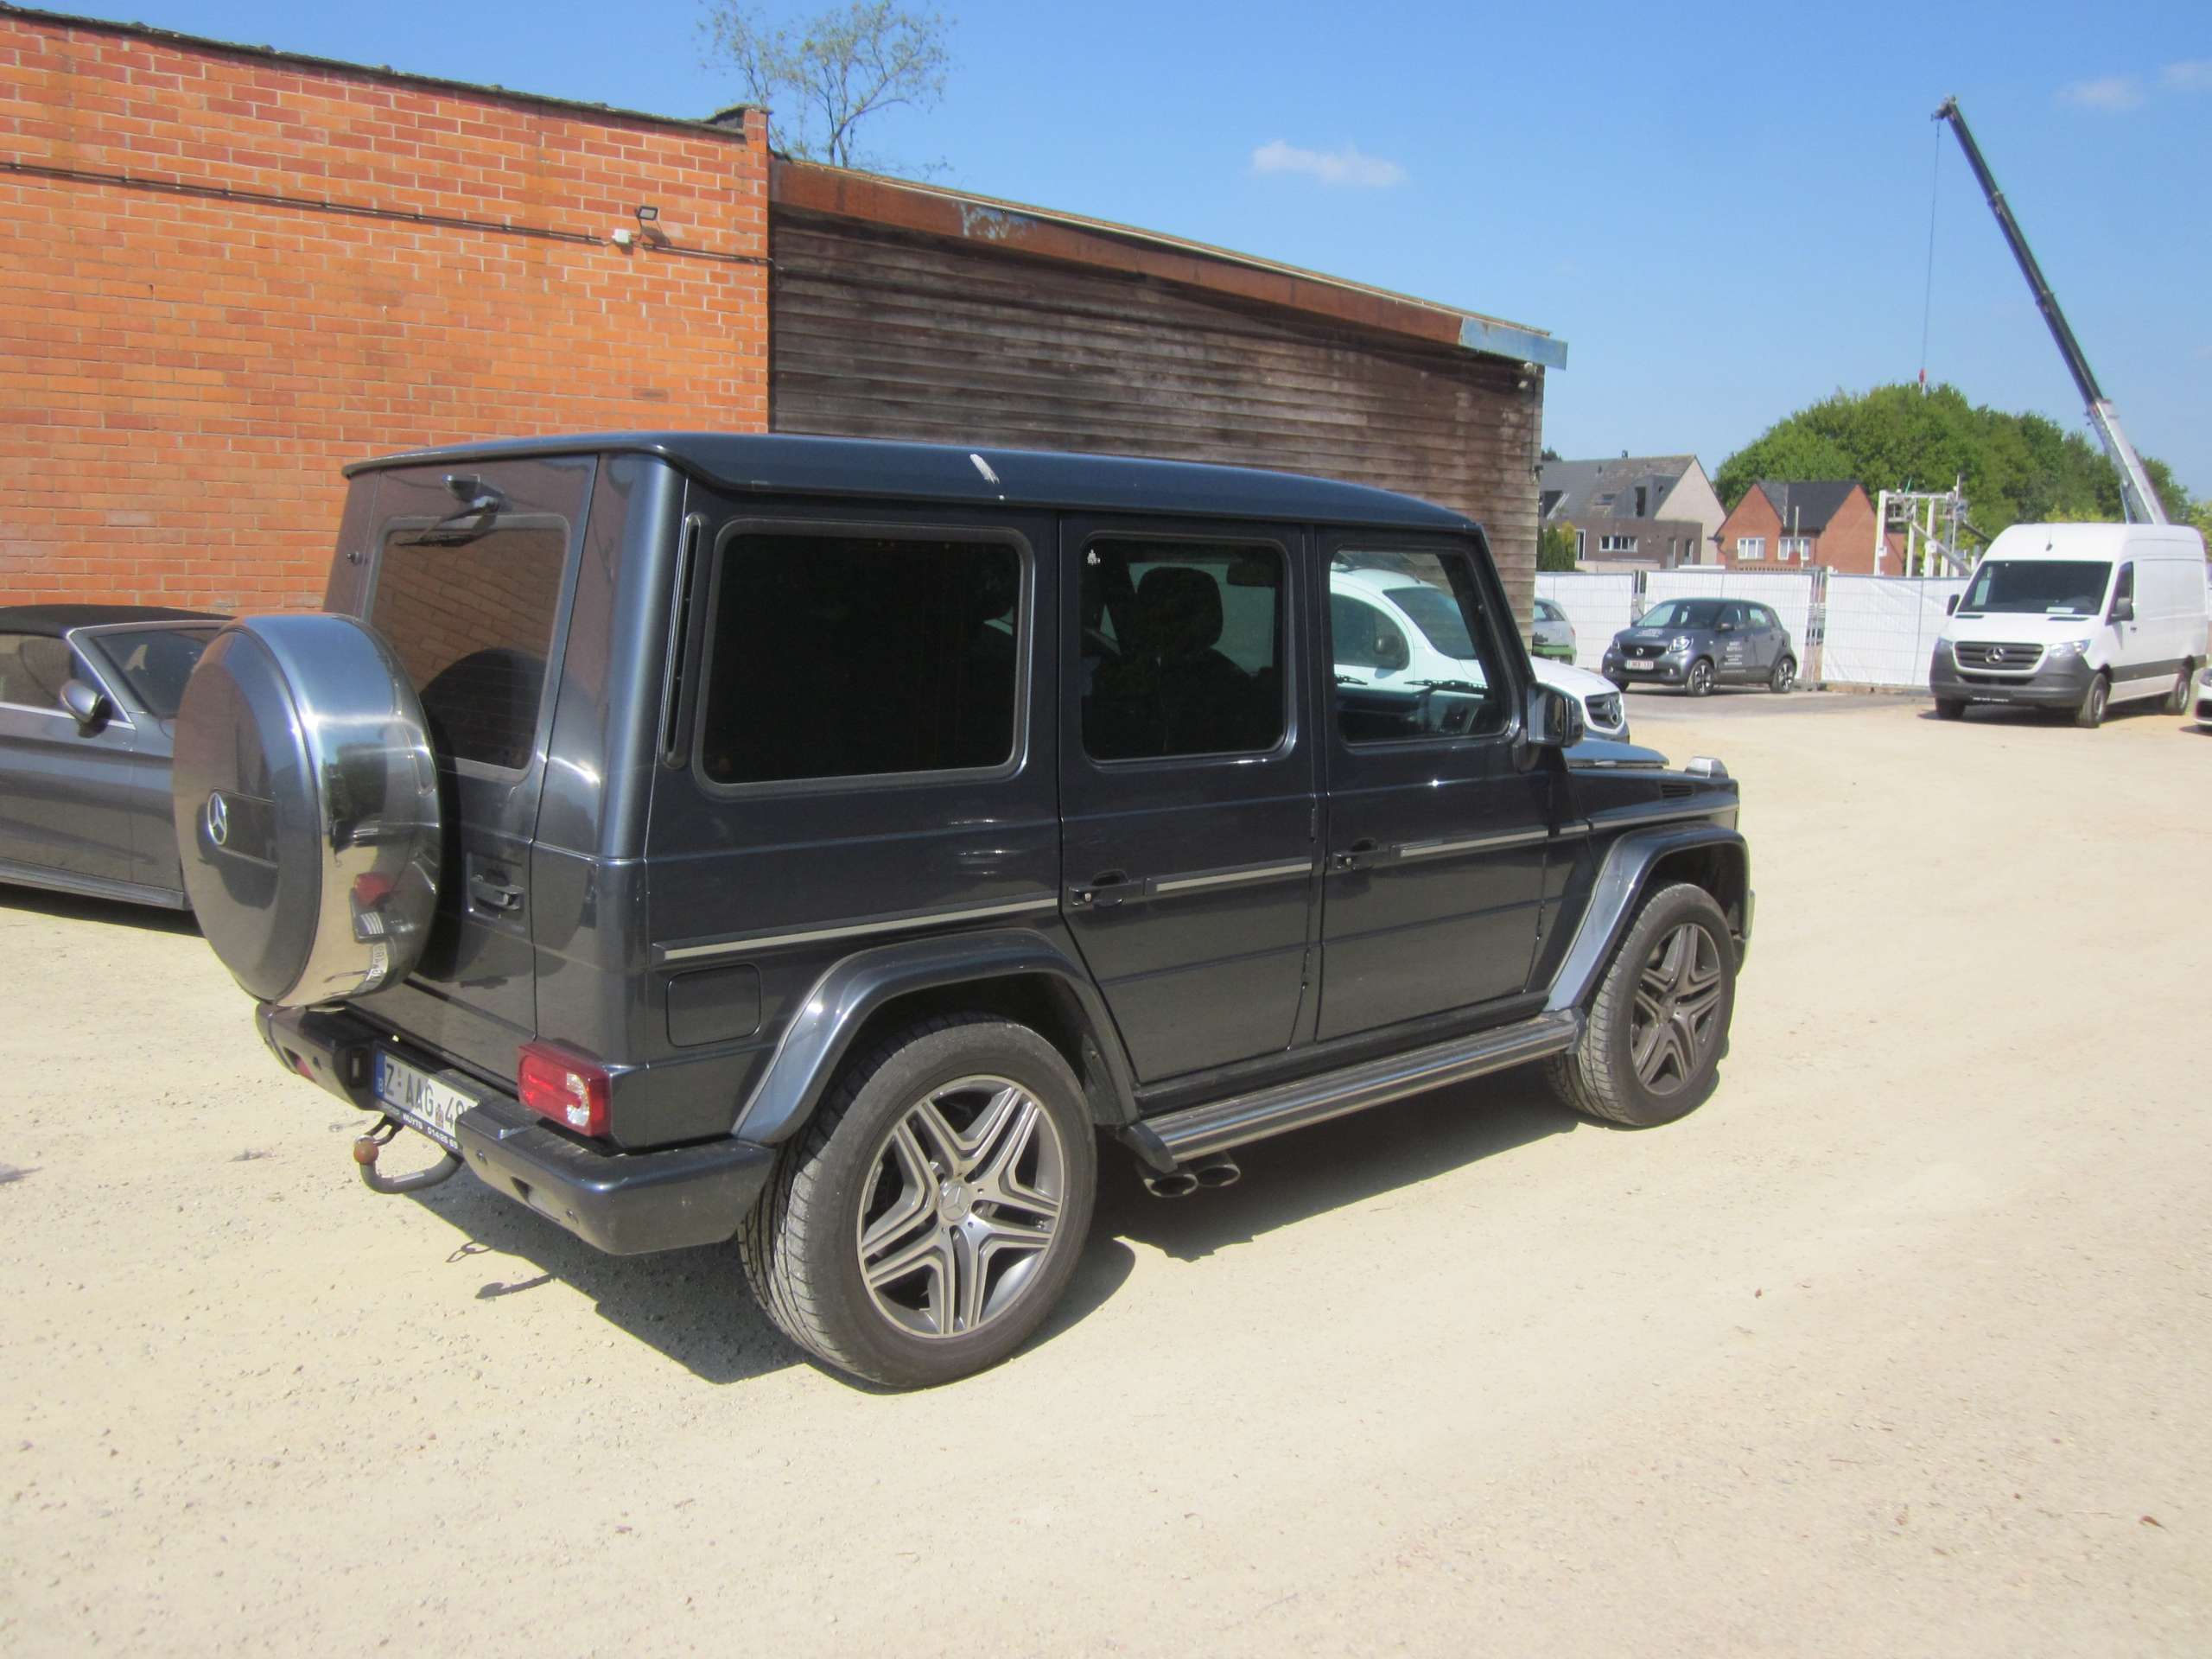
[[2111, 93], [1345, 166], [2189, 75]]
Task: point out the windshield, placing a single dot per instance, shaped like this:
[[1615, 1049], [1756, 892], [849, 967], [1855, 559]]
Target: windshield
[[1436, 613], [2040, 586], [155, 662], [1683, 614]]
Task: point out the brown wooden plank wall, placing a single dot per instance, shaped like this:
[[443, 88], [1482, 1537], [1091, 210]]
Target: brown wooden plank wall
[[880, 334]]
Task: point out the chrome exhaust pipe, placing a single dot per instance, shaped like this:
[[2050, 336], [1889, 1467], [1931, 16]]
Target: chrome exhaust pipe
[[1179, 1185], [1216, 1173]]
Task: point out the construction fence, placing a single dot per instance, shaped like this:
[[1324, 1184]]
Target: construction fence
[[1848, 629]]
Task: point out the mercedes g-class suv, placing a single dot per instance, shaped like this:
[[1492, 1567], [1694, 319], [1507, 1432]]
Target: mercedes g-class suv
[[830, 845]]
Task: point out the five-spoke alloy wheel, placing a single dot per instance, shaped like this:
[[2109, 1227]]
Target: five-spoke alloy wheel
[[1700, 683]]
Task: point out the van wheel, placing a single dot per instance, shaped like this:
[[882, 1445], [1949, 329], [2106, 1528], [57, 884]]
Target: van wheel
[[1784, 676], [1650, 1050], [2178, 699], [928, 1217], [1950, 708], [1700, 683], [2091, 712]]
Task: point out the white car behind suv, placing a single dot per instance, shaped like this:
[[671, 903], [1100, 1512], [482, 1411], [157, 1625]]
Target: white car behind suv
[[1393, 629]]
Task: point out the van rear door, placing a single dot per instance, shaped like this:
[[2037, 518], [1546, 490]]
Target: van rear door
[[469, 573]]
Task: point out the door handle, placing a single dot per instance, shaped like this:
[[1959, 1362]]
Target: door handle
[[1104, 890], [493, 895], [1357, 855]]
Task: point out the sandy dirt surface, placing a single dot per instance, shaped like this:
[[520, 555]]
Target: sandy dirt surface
[[1902, 1345]]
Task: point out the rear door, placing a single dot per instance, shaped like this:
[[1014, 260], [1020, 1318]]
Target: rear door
[[1436, 841], [1186, 785], [64, 793], [1735, 642], [469, 582]]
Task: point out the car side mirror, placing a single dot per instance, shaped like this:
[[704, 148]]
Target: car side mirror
[[1951, 606], [2123, 609], [1554, 718], [91, 708], [1391, 651], [1724, 626]]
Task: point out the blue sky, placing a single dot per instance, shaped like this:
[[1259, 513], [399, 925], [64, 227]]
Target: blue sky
[[1725, 211]]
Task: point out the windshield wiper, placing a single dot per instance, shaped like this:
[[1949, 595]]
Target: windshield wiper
[[1450, 685]]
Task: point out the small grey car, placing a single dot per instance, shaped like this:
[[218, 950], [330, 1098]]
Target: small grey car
[[88, 697], [1697, 644]]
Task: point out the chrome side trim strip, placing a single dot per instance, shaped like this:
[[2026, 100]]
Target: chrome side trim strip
[[668, 953], [1472, 844], [1197, 1131], [1229, 878]]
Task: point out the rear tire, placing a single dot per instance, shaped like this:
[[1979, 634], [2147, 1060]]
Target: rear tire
[[1950, 708], [2091, 711], [953, 1146], [1650, 1050], [1784, 678], [2178, 699], [1698, 681]]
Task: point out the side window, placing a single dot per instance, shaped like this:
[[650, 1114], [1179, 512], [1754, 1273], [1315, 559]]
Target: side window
[[1363, 640], [34, 667], [1732, 616], [2123, 585], [1182, 649], [1454, 686], [861, 656]]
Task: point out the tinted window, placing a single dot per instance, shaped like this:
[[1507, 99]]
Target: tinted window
[[1453, 686], [34, 667], [155, 662], [861, 656], [1182, 649]]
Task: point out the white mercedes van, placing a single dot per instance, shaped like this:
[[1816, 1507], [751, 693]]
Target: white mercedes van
[[2075, 617]]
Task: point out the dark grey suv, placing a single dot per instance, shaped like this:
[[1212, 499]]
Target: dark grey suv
[[1698, 644], [831, 845]]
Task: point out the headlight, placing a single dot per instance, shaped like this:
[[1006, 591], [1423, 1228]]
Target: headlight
[[2067, 647], [1680, 642]]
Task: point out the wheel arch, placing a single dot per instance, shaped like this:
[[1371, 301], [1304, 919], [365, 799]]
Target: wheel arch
[[1709, 855], [1024, 976]]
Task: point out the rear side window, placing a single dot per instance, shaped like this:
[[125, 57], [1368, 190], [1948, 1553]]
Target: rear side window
[[850, 655], [155, 663], [34, 667], [468, 590]]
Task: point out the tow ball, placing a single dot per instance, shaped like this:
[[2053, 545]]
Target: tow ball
[[365, 1159]]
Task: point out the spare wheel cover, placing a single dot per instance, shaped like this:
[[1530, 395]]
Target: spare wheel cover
[[306, 798]]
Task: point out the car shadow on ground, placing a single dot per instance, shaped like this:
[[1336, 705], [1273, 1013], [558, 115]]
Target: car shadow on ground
[[693, 1305], [114, 913]]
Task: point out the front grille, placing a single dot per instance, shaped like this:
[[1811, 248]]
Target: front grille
[[1996, 653], [1644, 652], [1605, 710]]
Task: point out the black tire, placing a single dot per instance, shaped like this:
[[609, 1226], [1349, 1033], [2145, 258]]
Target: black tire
[[801, 1246], [1950, 708], [2178, 699], [2091, 710], [1699, 681], [1784, 678], [1599, 1076]]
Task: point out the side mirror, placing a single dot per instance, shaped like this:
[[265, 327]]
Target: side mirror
[[1554, 718], [2123, 609], [1391, 651], [91, 708], [1951, 606]]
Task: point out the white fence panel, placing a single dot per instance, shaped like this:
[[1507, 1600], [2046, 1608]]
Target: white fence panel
[[1881, 629], [1790, 594], [1596, 601]]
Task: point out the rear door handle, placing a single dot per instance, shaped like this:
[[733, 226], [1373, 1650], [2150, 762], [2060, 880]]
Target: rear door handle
[[1103, 890], [1358, 856], [494, 895]]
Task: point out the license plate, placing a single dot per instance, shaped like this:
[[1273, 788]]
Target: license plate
[[1635, 667], [420, 1101]]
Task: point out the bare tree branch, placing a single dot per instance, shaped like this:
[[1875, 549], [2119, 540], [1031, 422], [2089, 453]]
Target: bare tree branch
[[823, 78]]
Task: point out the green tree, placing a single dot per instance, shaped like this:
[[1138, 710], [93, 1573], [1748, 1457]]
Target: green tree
[[2014, 468], [1555, 548], [823, 78]]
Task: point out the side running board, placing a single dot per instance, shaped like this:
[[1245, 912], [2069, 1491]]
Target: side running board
[[1197, 1131]]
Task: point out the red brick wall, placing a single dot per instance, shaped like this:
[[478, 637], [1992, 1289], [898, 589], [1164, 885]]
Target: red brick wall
[[182, 374], [1754, 516], [1846, 544]]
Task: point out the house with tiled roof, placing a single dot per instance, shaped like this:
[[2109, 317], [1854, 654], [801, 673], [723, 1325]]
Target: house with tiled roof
[[1634, 513], [1791, 524]]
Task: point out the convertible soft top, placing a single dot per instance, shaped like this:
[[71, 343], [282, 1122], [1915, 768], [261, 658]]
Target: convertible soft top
[[58, 619]]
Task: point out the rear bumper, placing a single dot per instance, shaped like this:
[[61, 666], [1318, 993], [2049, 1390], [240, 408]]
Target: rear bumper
[[2060, 682], [624, 1203]]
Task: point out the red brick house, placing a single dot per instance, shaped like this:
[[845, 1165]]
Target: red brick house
[[1795, 525]]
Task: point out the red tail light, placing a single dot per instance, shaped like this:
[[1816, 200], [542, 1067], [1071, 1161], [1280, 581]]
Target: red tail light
[[555, 1081]]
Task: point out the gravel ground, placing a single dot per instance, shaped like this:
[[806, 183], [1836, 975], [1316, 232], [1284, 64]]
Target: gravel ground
[[1900, 1345]]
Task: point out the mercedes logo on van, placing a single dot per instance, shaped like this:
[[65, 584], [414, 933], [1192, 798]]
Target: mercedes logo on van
[[1996, 653], [219, 819]]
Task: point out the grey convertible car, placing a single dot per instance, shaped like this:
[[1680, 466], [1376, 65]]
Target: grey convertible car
[[1698, 644], [88, 694]]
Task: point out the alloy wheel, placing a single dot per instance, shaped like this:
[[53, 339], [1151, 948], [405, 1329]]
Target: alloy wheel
[[1700, 678], [1676, 1021], [962, 1201], [1785, 674]]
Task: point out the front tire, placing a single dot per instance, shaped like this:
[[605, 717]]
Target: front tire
[[1700, 683], [1650, 1050], [1784, 678], [928, 1217], [1950, 708], [2091, 712]]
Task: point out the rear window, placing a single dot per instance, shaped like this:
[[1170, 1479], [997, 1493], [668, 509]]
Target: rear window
[[848, 655], [467, 589]]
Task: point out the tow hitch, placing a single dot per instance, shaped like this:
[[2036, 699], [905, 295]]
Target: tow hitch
[[365, 1158]]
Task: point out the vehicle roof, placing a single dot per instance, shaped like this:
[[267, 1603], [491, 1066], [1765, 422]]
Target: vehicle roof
[[58, 619], [785, 464], [2094, 542]]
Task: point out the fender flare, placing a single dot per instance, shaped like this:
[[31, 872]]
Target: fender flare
[[1622, 877], [855, 987]]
